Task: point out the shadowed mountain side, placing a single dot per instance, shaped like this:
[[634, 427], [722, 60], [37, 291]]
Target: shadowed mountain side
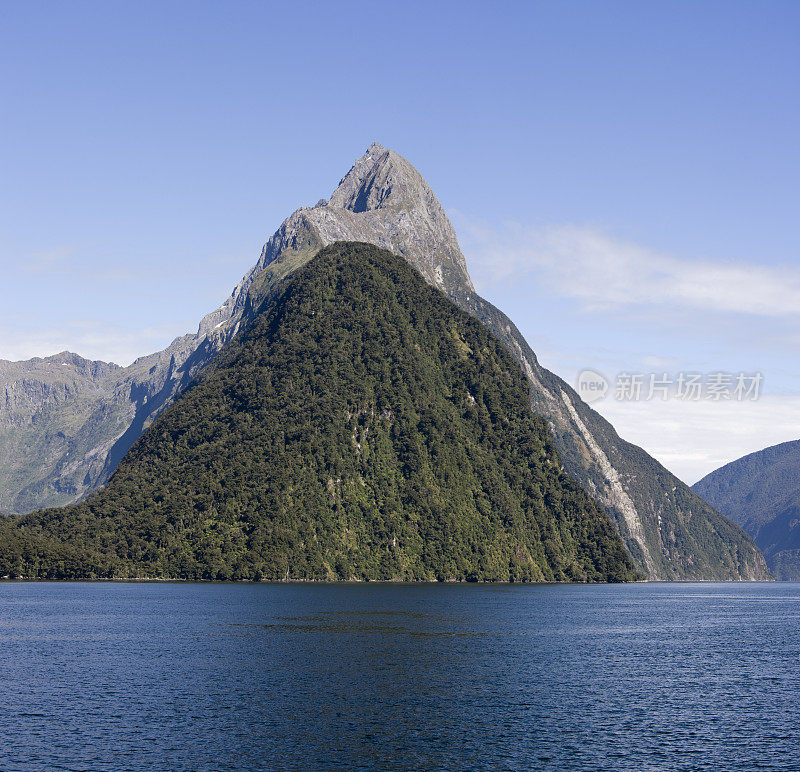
[[761, 492]]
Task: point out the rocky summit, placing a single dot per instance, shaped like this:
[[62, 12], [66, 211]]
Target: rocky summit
[[80, 435]]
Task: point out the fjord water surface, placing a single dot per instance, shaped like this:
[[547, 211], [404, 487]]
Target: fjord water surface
[[241, 677]]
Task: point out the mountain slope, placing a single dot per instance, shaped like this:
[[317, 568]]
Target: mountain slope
[[46, 402], [761, 492], [363, 427], [670, 531]]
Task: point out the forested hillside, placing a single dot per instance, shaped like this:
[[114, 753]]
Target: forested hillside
[[363, 427]]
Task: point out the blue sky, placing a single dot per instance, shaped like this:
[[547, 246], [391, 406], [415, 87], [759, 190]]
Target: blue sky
[[149, 149]]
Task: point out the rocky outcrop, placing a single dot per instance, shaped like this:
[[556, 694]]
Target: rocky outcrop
[[669, 531]]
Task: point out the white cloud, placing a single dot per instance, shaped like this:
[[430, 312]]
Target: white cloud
[[91, 339], [753, 309], [692, 439], [51, 260], [588, 264], [130, 291]]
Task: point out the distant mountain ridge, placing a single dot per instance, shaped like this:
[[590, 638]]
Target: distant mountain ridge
[[671, 533], [761, 492]]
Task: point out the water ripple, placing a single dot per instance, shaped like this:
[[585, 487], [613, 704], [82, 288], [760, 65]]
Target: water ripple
[[251, 677]]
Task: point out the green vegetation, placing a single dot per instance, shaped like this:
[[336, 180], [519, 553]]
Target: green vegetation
[[362, 427]]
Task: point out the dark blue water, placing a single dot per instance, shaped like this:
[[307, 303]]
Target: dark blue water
[[240, 677]]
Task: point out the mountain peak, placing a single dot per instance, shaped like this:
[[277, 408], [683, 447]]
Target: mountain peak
[[367, 186], [384, 200], [381, 179]]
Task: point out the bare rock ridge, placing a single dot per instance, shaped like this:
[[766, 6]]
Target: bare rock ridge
[[382, 200], [81, 435]]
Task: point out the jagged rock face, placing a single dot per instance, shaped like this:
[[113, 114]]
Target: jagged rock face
[[66, 422], [384, 200], [670, 532]]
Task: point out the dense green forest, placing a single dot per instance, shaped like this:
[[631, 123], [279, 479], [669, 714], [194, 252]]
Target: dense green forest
[[361, 427]]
